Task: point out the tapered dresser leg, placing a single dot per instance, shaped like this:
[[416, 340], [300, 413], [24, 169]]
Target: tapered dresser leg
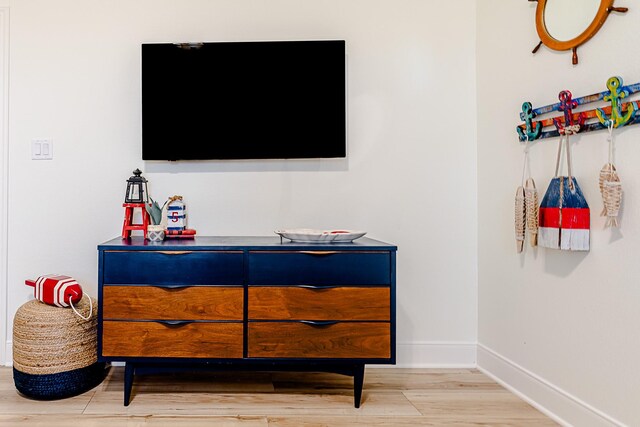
[[358, 381], [128, 381]]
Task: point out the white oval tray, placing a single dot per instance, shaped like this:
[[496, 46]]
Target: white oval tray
[[320, 236]]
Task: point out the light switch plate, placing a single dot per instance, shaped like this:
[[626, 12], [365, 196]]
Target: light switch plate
[[42, 149]]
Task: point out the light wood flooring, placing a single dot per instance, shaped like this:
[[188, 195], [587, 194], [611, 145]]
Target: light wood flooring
[[391, 397]]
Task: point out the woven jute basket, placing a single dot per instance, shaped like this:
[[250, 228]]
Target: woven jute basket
[[55, 351]]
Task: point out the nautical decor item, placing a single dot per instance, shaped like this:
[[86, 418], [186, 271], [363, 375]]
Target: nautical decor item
[[617, 93], [526, 205], [531, 206], [610, 186], [60, 291], [564, 212], [612, 195], [136, 188], [520, 219], [569, 125], [559, 29], [620, 110], [176, 216], [136, 197], [532, 129], [57, 290]]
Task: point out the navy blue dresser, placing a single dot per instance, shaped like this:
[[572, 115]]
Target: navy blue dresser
[[246, 303]]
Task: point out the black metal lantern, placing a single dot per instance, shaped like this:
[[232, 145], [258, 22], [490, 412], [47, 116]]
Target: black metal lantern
[[136, 188]]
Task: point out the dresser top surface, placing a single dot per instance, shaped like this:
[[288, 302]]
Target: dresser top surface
[[271, 243]]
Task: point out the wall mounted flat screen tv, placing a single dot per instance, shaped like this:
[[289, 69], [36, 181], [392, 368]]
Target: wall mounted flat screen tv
[[244, 100]]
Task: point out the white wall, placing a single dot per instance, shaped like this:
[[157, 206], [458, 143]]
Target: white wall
[[409, 177], [560, 327], [549, 322], [4, 170]]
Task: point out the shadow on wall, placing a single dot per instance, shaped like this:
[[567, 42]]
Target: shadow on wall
[[200, 166], [562, 263]]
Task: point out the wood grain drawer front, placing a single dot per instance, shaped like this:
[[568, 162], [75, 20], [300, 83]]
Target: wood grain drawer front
[[319, 267], [173, 267], [158, 303], [299, 303], [358, 340], [152, 339]]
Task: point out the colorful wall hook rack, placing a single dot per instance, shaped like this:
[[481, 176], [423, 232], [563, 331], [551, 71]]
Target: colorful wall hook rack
[[617, 111]]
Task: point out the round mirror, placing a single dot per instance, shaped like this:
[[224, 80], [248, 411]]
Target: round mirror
[[567, 24], [567, 19]]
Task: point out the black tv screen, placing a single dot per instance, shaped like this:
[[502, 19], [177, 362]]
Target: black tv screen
[[243, 100]]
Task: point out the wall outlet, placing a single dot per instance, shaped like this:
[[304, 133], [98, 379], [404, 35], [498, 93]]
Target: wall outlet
[[42, 149]]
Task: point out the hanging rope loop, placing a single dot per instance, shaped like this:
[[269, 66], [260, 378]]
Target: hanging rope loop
[[610, 140], [565, 139], [78, 313]]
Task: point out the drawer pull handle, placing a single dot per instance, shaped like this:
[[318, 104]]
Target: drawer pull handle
[[175, 252], [319, 253], [172, 287], [318, 287], [319, 324], [174, 322]]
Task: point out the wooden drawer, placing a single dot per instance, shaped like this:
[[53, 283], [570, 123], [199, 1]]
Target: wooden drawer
[[358, 340], [164, 303], [300, 303], [319, 267], [173, 267], [153, 339]]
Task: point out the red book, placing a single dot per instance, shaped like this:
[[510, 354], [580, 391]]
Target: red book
[[187, 233]]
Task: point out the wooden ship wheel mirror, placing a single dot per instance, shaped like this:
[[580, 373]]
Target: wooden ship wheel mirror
[[567, 24]]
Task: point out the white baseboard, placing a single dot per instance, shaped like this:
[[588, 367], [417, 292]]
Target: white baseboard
[[549, 399], [432, 354]]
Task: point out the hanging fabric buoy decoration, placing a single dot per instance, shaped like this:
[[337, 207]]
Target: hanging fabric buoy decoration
[[54, 289], [60, 291], [564, 212], [610, 186]]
